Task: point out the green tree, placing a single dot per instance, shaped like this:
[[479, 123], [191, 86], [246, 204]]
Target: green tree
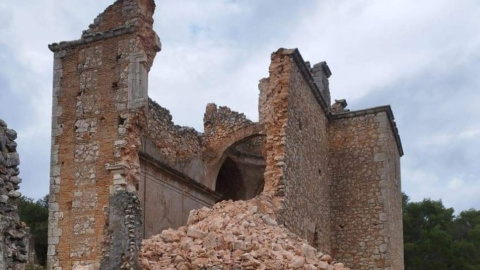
[[35, 215], [436, 239]]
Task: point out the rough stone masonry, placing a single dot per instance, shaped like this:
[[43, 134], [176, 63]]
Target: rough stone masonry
[[122, 171], [13, 233]]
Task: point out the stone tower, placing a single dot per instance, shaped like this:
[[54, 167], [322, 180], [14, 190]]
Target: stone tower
[[94, 163]]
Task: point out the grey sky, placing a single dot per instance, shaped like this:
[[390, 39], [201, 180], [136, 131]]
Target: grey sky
[[422, 57]]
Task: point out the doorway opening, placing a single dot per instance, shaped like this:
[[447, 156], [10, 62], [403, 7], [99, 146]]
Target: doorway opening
[[241, 176]]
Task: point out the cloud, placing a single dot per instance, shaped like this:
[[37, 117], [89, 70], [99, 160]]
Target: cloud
[[437, 116], [420, 57]]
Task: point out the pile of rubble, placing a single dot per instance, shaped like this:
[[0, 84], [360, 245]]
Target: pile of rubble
[[233, 235]]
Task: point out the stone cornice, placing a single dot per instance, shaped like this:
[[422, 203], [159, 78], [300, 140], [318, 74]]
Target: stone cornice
[[89, 38], [387, 109], [307, 76]]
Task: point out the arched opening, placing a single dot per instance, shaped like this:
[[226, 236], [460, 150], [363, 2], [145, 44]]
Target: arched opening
[[241, 176], [229, 181]]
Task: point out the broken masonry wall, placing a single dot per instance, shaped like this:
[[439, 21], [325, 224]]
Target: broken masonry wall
[[192, 153], [297, 148], [365, 192], [306, 163], [225, 130], [220, 122], [273, 114], [167, 197], [13, 232], [99, 103], [85, 123], [175, 146]]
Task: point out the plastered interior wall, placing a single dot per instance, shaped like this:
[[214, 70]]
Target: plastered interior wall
[[166, 199]]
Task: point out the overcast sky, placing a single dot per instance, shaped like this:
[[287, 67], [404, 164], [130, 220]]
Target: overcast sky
[[421, 57]]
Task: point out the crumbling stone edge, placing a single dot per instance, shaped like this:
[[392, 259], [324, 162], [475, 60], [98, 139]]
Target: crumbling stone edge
[[125, 232], [13, 232]]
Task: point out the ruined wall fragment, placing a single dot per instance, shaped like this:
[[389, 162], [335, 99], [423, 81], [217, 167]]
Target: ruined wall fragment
[[13, 233], [99, 102], [306, 165], [220, 122], [273, 114], [179, 147], [171, 164], [297, 128]]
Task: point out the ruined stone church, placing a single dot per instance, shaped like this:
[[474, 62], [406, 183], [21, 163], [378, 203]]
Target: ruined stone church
[[122, 171]]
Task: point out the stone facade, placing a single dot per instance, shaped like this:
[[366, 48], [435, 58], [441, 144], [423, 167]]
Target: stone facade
[[13, 233], [122, 170], [366, 194], [99, 97]]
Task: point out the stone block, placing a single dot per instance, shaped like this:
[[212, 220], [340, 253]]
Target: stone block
[[51, 251], [11, 134], [13, 159], [194, 232], [11, 146], [16, 180], [14, 194]]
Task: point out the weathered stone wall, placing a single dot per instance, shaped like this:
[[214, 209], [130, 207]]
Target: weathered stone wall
[[301, 150], [342, 174], [99, 97], [273, 114], [174, 143], [13, 233], [176, 146], [387, 157], [365, 191], [307, 178], [220, 122]]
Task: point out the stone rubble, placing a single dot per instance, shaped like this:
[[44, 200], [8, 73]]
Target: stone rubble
[[233, 235]]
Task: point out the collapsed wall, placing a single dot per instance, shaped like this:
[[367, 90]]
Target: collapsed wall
[[13, 233]]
